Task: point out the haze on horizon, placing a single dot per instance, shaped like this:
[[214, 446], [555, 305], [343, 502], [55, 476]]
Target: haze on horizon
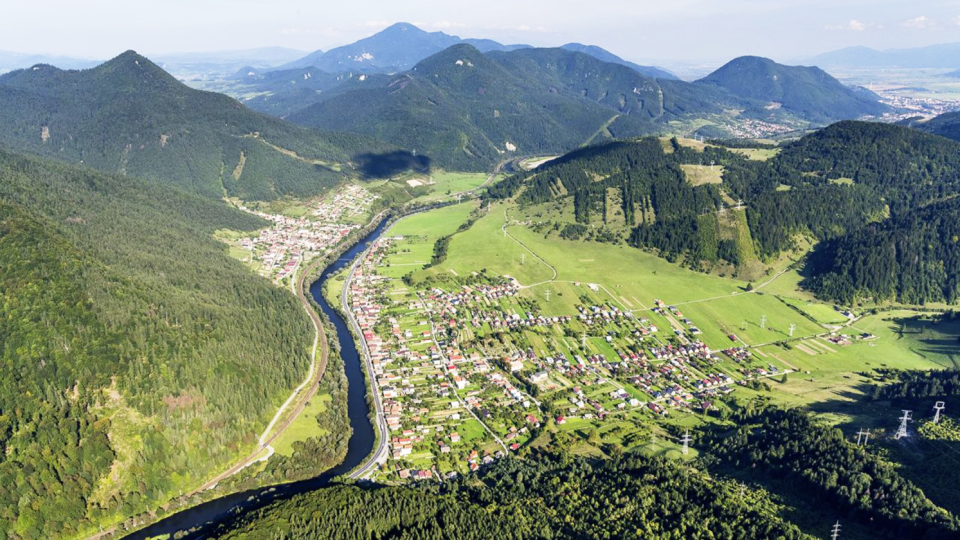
[[640, 30]]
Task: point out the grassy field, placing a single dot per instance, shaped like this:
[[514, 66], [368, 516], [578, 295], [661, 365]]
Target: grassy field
[[304, 427], [699, 175], [756, 154], [830, 376], [446, 184]]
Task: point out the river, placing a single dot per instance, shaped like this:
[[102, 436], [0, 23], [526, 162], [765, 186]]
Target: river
[[359, 447]]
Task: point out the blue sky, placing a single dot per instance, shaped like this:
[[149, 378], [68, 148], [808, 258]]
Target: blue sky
[[641, 30]]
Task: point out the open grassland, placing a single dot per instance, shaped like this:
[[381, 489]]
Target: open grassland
[[446, 184], [828, 377], [757, 154], [698, 175], [754, 319], [304, 427]]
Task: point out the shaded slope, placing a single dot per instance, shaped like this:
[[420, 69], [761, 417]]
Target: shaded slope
[[130, 116], [122, 317]]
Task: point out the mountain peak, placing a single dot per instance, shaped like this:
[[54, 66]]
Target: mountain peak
[[403, 27], [133, 70]]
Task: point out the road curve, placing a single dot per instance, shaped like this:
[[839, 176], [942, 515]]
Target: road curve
[[379, 453]]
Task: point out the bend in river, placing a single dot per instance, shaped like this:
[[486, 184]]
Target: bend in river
[[359, 447]]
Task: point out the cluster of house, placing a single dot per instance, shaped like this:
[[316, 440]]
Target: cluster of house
[[282, 248], [424, 379], [757, 129]]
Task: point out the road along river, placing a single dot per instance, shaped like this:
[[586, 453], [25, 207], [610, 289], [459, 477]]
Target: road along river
[[359, 447]]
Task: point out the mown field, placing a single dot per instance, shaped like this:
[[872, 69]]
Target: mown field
[[631, 280]]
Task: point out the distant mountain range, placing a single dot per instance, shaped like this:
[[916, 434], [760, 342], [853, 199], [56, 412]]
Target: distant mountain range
[[10, 61], [130, 116], [808, 92], [946, 55], [218, 64], [468, 110], [402, 45]]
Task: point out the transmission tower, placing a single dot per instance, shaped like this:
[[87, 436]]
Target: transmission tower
[[583, 340], [459, 196], [902, 432], [653, 441], [743, 326], [548, 296], [863, 437], [523, 258], [686, 442], [939, 406], [763, 322], [835, 531], [792, 328], [739, 203]]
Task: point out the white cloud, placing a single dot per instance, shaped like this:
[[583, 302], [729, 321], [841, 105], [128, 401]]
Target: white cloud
[[956, 21], [375, 24], [920, 23], [853, 25]]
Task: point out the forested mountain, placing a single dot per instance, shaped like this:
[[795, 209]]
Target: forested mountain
[[818, 463], [131, 117], [854, 185], [946, 125], [401, 46], [280, 93], [913, 258], [808, 92], [136, 354], [468, 110], [542, 497], [607, 56]]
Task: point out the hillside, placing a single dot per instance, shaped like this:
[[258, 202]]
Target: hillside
[[137, 355], [946, 125], [543, 497], [675, 200], [129, 116], [280, 93], [912, 258], [469, 110], [607, 56], [808, 92]]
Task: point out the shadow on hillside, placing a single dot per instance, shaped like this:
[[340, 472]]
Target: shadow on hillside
[[378, 166]]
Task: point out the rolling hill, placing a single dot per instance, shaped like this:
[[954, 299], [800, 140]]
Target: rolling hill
[[469, 110], [839, 186], [807, 92], [137, 356], [131, 117]]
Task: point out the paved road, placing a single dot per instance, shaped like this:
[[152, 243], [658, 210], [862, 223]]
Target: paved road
[[379, 453]]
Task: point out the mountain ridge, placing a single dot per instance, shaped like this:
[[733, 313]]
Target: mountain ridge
[[128, 115]]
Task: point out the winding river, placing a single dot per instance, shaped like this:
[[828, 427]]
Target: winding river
[[359, 447]]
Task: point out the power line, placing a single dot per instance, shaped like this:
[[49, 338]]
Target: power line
[[938, 406], [902, 431]]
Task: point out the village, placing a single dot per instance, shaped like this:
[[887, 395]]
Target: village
[[279, 251], [472, 369]]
